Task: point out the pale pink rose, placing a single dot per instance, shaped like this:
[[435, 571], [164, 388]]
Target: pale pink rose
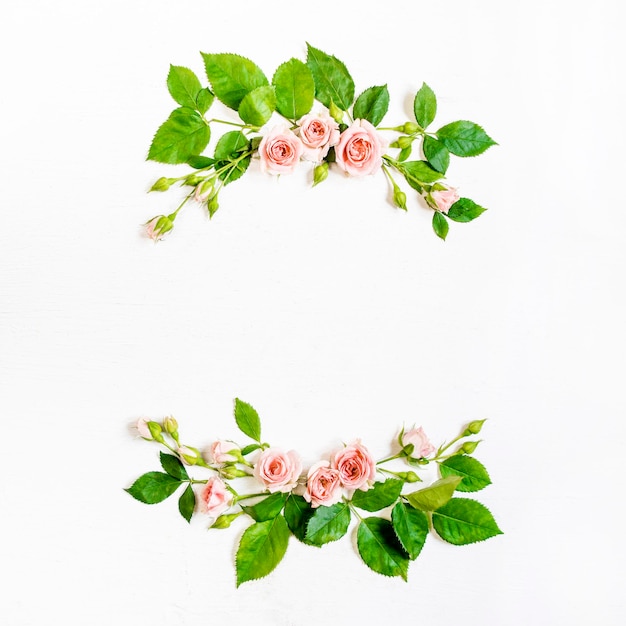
[[323, 485], [280, 150], [356, 467], [422, 446], [214, 498], [317, 133], [360, 149], [278, 470], [222, 452], [142, 428], [445, 198]]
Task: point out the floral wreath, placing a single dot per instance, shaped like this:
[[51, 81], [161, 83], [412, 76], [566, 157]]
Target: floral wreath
[[341, 130], [317, 505]]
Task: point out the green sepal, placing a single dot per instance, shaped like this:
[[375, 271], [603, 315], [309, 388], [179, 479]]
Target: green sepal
[[380, 549], [471, 470], [298, 512], [380, 496], [425, 105], [440, 225], [462, 521], [153, 487], [295, 89], [411, 528], [333, 82], [257, 106], [328, 523], [247, 420], [372, 105], [183, 86], [436, 153], [187, 503], [173, 466], [268, 508], [261, 549], [436, 495], [465, 210], [405, 153], [464, 138], [418, 173]]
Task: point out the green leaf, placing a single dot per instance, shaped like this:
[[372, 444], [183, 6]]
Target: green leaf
[[295, 89], [248, 420], [199, 162], [437, 154], [435, 496], [411, 528], [182, 135], [268, 508], [328, 523], [381, 495], [232, 170], [472, 471], [462, 521], [261, 549], [372, 105], [332, 79], [204, 100], [173, 466], [257, 107], [465, 210], [418, 173], [440, 225], [232, 77], [298, 512], [465, 138], [380, 549], [250, 448], [153, 487], [230, 144], [187, 503], [425, 106], [183, 86]]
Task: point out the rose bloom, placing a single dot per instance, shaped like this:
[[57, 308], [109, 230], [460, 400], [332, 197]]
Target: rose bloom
[[445, 198], [422, 446], [317, 133], [360, 149], [278, 470], [323, 486], [142, 428], [214, 497], [221, 452], [356, 467], [280, 150]]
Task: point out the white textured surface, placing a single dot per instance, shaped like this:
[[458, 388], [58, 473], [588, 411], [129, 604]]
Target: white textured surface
[[334, 314]]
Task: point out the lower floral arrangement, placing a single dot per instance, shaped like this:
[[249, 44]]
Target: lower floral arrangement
[[316, 506]]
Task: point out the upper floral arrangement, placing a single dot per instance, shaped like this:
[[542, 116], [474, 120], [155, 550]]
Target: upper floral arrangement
[[307, 113]]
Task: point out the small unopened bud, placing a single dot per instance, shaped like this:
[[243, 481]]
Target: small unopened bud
[[468, 447], [335, 112], [473, 428], [213, 205], [412, 477], [399, 197], [404, 142], [189, 455], [228, 471], [203, 190], [410, 128], [163, 184], [193, 180], [320, 173], [159, 226], [156, 431], [170, 425], [224, 521]]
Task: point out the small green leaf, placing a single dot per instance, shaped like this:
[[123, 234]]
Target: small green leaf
[[372, 105], [298, 512], [153, 487], [247, 420], [436, 153], [435, 496], [381, 495], [418, 173], [295, 89], [230, 144], [257, 107], [199, 162], [261, 549], [268, 508], [465, 210], [472, 471], [380, 549], [405, 153], [425, 106], [328, 523], [465, 139], [250, 448], [204, 100], [232, 77], [173, 466], [183, 86], [182, 135], [333, 82], [411, 528], [187, 503], [462, 521], [440, 225]]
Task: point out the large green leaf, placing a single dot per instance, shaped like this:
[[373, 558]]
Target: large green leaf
[[232, 77], [268, 508], [295, 89], [379, 496], [257, 107], [434, 496], [187, 503], [380, 549], [465, 138], [328, 523], [372, 105], [418, 173], [437, 154], [153, 487], [182, 135], [298, 512], [248, 420], [411, 528], [333, 82], [462, 521], [472, 471], [261, 549], [183, 86], [465, 210], [172, 465], [425, 106]]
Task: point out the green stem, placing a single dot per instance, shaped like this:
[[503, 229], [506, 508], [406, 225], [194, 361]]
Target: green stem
[[391, 458], [238, 498]]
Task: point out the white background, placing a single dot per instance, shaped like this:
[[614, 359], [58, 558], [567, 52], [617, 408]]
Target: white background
[[336, 315]]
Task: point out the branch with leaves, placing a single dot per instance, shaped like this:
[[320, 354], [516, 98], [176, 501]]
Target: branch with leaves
[[308, 112], [317, 506]]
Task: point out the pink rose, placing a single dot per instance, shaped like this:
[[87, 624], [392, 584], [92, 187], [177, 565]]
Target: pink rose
[[214, 497], [323, 486], [278, 470], [280, 150], [143, 429], [360, 149], [422, 446], [317, 133], [222, 452], [356, 467], [444, 198]]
